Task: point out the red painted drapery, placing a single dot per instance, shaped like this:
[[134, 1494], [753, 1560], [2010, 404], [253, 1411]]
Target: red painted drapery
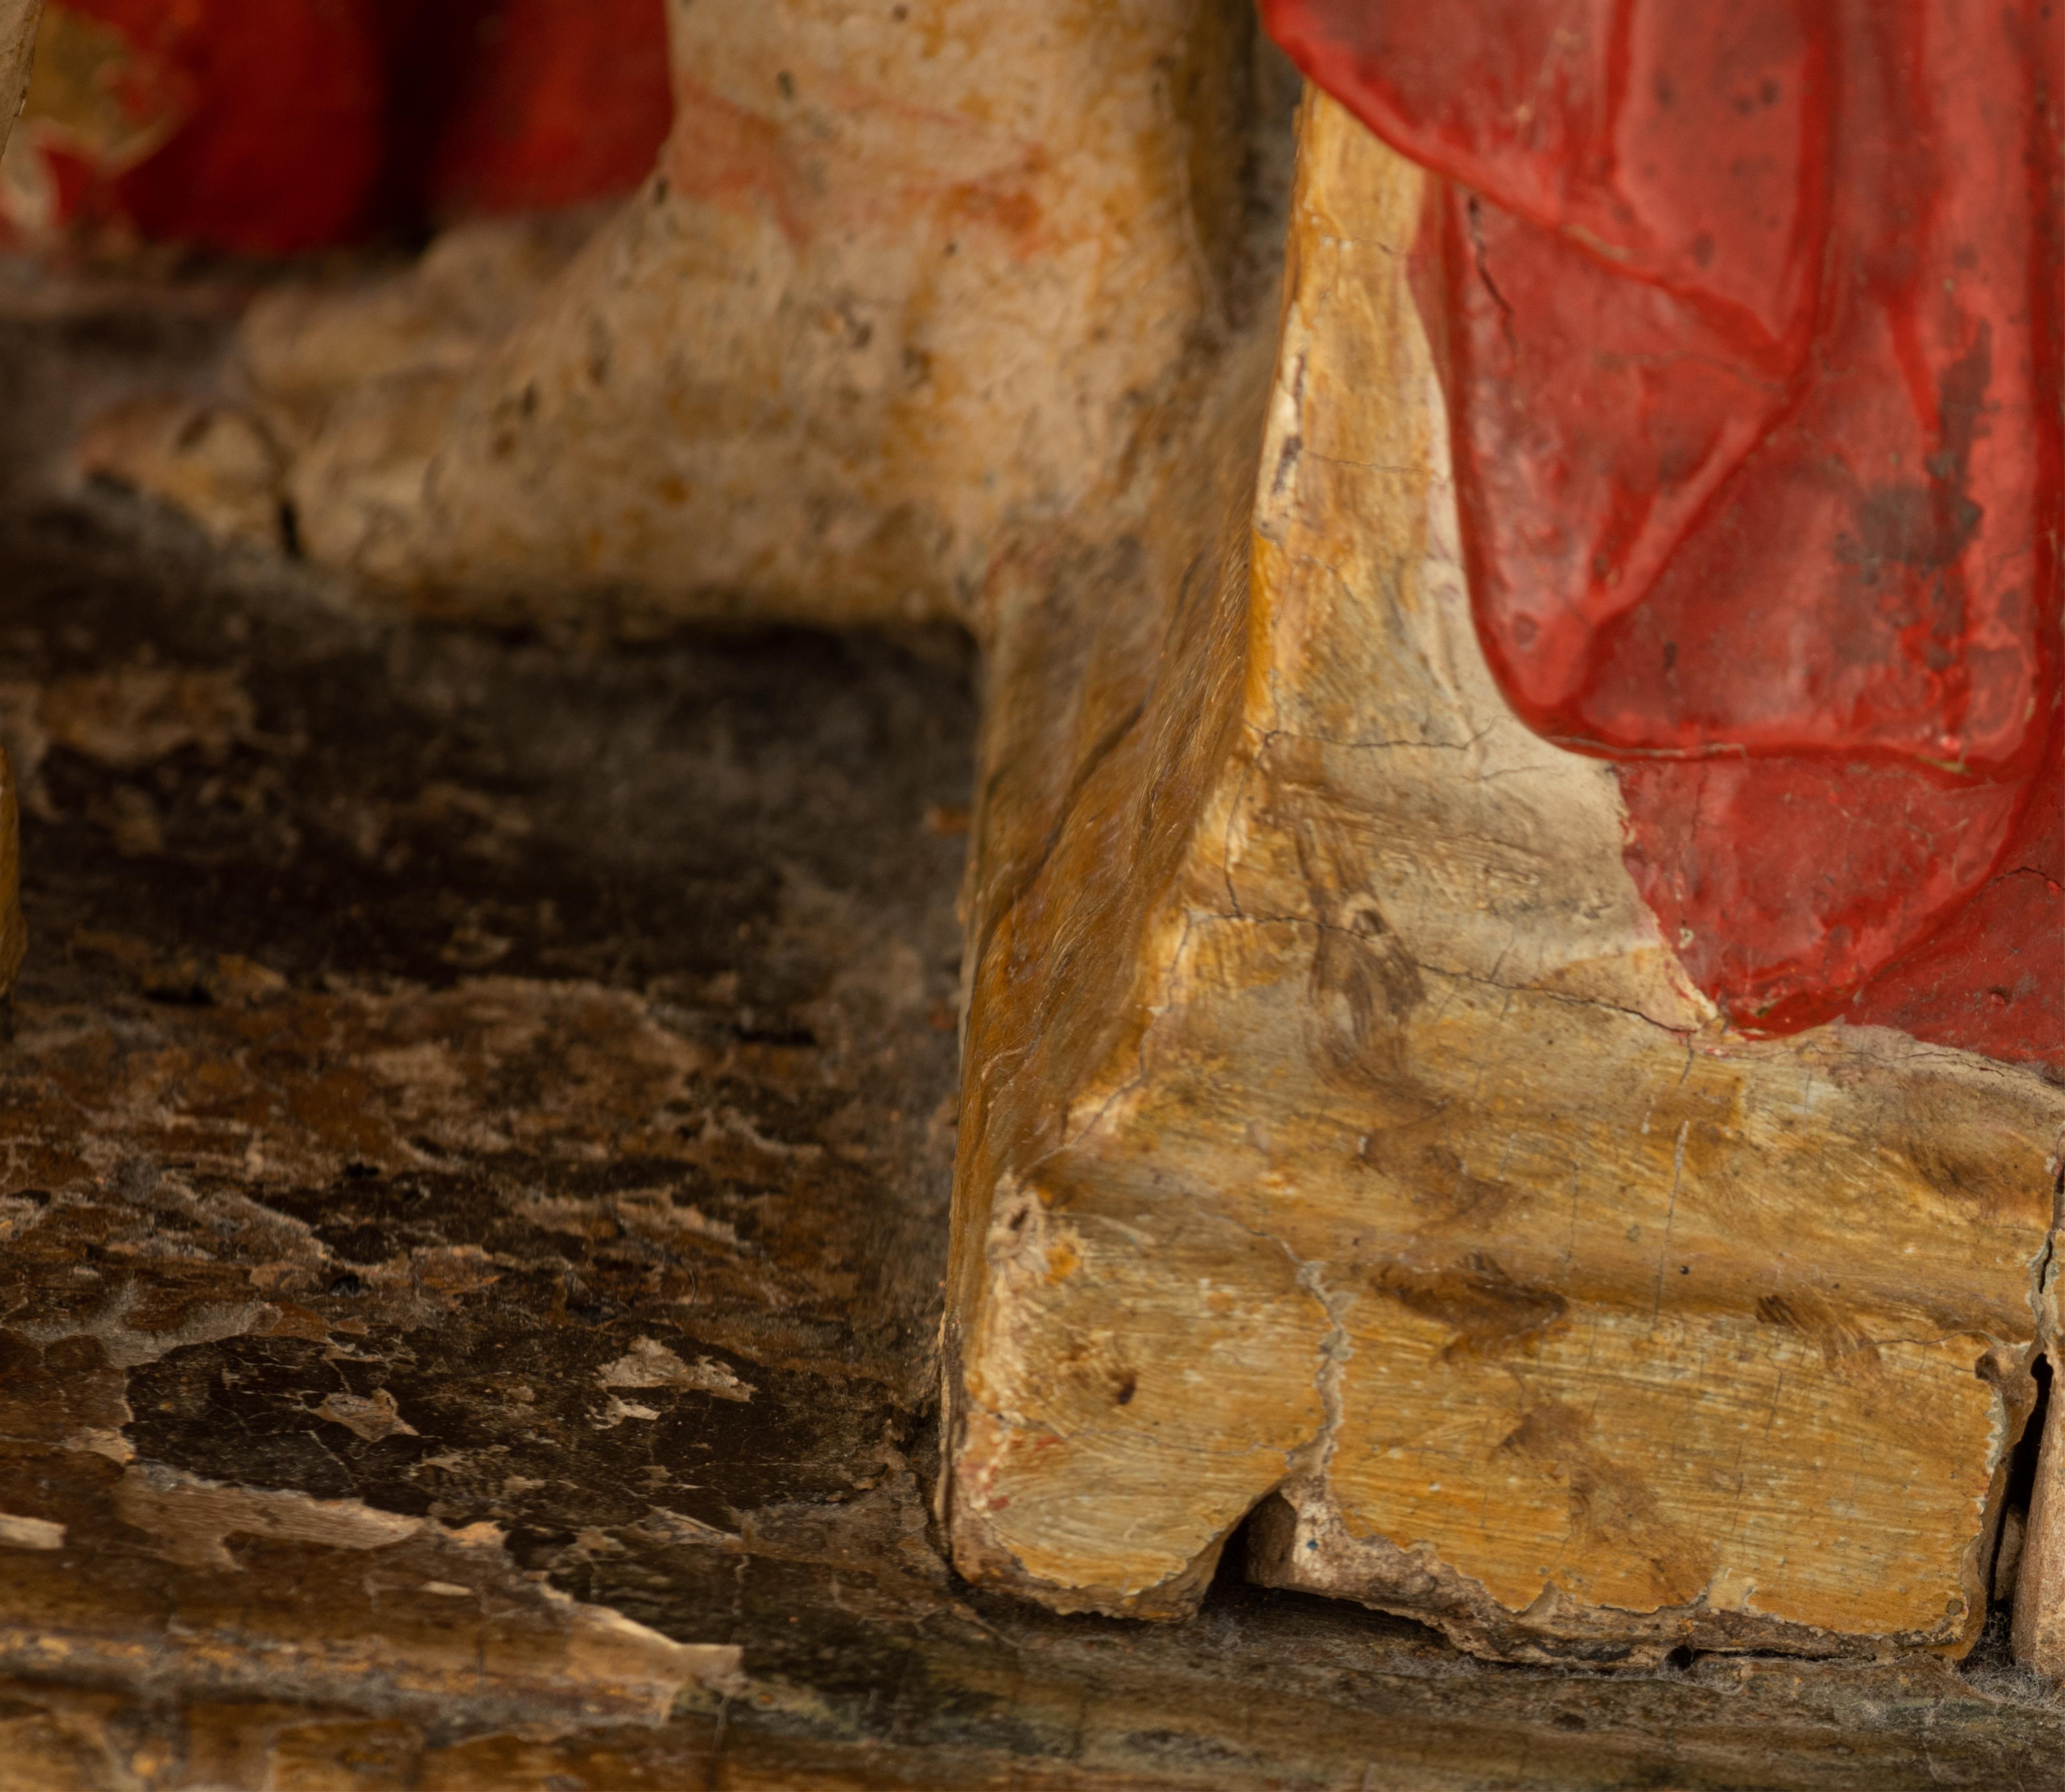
[[1748, 316], [275, 127]]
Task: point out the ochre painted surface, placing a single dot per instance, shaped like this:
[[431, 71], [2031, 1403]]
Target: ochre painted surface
[[1748, 321], [1339, 1128]]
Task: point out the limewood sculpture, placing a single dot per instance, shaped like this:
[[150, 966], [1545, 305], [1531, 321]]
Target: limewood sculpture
[[1515, 1041]]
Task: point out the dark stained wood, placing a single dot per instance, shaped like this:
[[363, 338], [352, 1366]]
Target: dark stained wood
[[415, 1022]]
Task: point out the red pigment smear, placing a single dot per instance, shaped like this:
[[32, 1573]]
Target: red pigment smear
[[311, 122], [281, 142], [1747, 315], [554, 102]]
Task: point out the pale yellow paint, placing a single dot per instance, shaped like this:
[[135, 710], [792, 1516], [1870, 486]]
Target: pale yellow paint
[[1559, 1316]]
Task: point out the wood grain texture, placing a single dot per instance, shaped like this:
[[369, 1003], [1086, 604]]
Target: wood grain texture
[[1341, 1139], [2037, 1637], [375, 1090], [19, 20]]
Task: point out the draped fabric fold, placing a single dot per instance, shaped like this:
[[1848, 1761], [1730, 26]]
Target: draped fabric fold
[[1748, 314]]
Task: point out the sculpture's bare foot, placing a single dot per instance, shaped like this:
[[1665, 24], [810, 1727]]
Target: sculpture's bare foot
[[906, 286]]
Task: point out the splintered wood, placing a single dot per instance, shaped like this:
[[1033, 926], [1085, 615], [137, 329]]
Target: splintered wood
[[1343, 1146]]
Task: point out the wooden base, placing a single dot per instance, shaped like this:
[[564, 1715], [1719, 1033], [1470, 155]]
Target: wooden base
[[1341, 1144]]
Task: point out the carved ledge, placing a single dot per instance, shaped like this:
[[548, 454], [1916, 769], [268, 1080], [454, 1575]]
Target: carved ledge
[[1342, 1143]]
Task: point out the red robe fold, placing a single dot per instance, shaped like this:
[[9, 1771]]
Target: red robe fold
[[276, 127], [1748, 316]]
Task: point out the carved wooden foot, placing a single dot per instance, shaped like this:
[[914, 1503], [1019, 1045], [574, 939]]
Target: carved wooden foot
[[1344, 1147], [909, 284]]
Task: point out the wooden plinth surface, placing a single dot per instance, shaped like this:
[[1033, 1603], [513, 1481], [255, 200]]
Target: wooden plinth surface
[[449, 1072], [1343, 1145]]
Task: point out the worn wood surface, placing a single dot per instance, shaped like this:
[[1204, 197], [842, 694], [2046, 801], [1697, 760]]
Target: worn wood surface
[[19, 19], [450, 1071], [1343, 1146], [910, 285], [415, 1023]]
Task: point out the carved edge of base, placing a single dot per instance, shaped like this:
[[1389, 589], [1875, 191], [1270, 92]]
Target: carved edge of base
[[1301, 1521], [2037, 1638], [979, 1556], [1110, 1187]]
